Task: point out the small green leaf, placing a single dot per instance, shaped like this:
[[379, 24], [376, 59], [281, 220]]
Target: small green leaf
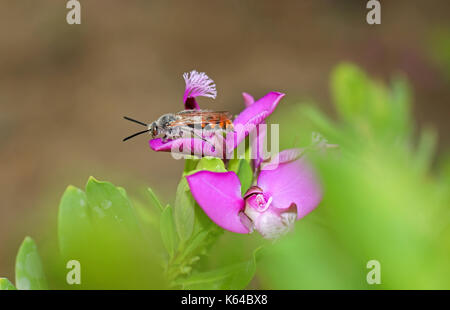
[[211, 164], [74, 224], [244, 171], [109, 205], [184, 212], [400, 99], [190, 164], [5, 284], [123, 192], [194, 244], [29, 271], [234, 164], [155, 199], [349, 86], [167, 229]]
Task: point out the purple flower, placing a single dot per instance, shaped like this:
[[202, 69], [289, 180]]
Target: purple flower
[[199, 84], [286, 190]]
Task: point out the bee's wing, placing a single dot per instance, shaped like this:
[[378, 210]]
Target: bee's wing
[[193, 118]]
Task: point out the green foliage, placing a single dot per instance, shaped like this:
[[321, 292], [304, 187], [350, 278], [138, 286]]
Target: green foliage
[[234, 277], [5, 284], [195, 231], [155, 199], [381, 201], [210, 164], [367, 106], [168, 232], [74, 221], [184, 211], [244, 171], [102, 230], [29, 270]]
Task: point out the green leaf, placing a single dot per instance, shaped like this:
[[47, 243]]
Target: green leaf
[[102, 230], [358, 99], [196, 242], [167, 229], [368, 105], [234, 165], [74, 223], [184, 213], [29, 271], [244, 171], [211, 164], [190, 164], [123, 192], [234, 277], [400, 99], [155, 199], [5, 284], [108, 205], [349, 86]]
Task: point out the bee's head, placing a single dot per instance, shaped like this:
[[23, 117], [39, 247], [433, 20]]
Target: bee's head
[[154, 130]]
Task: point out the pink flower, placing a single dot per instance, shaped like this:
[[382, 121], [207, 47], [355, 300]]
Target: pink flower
[[283, 194]]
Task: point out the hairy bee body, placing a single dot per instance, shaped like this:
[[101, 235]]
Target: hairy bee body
[[198, 122]]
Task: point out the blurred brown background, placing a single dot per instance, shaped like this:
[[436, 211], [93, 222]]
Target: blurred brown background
[[64, 88]]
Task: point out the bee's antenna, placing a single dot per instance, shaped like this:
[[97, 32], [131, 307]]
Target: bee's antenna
[[137, 134], [133, 120]]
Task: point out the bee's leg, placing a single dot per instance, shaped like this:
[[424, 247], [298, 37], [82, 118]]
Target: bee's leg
[[169, 135], [204, 139]]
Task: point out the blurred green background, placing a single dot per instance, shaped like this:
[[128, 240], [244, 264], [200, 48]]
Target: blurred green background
[[64, 89]]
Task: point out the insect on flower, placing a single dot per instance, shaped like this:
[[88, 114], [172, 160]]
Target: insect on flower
[[200, 123]]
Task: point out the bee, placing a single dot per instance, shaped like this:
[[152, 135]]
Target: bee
[[200, 123]]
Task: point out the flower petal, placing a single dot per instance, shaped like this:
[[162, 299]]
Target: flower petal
[[248, 99], [187, 146], [219, 195], [284, 156], [197, 84], [292, 182], [264, 106], [251, 116]]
